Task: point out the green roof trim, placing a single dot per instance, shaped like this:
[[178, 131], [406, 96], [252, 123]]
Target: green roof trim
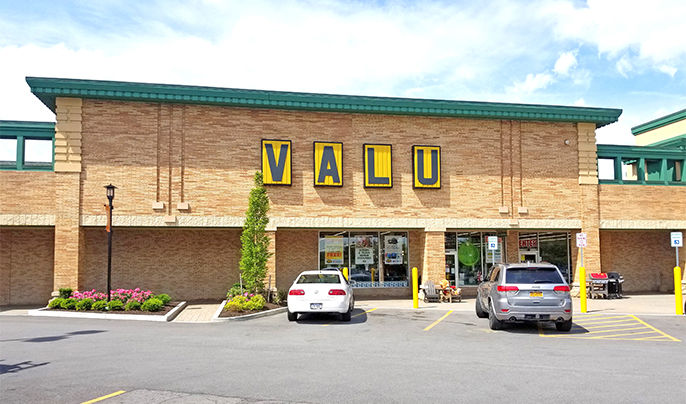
[[27, 128], [673, 142], [47, 89], [611, 151], [659, 122]]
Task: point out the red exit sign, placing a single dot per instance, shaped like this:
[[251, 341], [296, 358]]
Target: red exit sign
[[531, 243]]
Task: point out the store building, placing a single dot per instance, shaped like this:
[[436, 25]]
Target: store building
[[379, 185]]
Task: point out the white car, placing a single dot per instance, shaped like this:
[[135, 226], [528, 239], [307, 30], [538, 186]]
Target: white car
[[324, 291]]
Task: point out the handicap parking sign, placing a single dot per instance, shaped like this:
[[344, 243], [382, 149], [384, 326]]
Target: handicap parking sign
[[677, 239]]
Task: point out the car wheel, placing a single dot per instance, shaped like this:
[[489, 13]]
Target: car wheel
[[493, 322], [292, 316], [347, 315], [480, 312], [564, 325]]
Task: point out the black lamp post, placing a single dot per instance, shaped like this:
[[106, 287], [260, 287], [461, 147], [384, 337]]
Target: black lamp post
[[110, 197]]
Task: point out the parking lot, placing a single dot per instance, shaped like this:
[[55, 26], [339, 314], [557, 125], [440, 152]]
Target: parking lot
[[382, 354]]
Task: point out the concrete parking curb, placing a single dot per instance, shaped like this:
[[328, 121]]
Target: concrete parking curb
[[247, 316], [45, 312]]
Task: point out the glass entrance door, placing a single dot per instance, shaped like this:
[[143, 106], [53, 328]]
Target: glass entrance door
[[450, 260]]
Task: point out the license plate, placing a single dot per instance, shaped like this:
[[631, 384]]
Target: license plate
[[536, 294], [315, 306]]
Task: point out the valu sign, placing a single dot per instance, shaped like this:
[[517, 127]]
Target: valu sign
[[328, 164]]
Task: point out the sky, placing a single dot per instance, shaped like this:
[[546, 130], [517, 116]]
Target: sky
[[615, 54]]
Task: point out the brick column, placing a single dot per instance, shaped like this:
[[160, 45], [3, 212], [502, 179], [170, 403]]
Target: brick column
[[434, 256], [68, 234], [512, 246], [588, 198], [271, 261]]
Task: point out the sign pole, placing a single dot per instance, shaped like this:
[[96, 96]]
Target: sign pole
[[581, 243], [677, 240]]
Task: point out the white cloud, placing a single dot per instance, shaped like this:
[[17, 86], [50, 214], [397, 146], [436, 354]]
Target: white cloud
[[668, 70], [532, 83], [565, 63], [580, 103], [624, 66]]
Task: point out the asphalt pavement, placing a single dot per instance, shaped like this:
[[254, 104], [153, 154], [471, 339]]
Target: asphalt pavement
[[382, 355]]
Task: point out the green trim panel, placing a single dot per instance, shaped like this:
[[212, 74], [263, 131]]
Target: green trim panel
[[659, 122], [23, 130], [659, 163], [47, 89], [673, 142]]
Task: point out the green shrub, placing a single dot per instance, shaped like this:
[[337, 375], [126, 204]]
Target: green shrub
[[235, 290], [237, 303], [115, 305], [256, 303], [132, 305], [99, 305], [55, 303], [280, 296], [84, 304], [68, 304], [65, 293], [153, 304], [164, 298]]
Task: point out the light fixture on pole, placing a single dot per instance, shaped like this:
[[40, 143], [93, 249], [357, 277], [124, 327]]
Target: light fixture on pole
[[108, 208]]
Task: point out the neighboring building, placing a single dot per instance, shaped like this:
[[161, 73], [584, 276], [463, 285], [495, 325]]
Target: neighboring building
[[379, 185]]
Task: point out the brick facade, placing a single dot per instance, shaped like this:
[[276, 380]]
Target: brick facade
[[26, 265], [504, 175]]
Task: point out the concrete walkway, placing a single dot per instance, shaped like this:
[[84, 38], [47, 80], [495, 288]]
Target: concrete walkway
[[197, 313]]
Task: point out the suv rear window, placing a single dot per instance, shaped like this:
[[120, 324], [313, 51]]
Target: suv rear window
[[532, 275], [319, 278]]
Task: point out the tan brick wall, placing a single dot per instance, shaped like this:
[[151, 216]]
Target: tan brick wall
[[27, 192], [186, 263], [68, 236], [26, 264], [136, 146], [642, 202], [298, 250], [644, 258], [434, 256]]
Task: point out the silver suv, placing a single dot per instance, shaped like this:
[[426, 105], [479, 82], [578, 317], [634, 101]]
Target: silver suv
[[525, 292]]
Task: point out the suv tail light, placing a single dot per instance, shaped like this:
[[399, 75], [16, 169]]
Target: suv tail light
[[337, 292], [561, 288], [296, 292], [507, 288]]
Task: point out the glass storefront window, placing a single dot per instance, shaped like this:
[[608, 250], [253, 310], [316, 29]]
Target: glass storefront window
[[373, 259], [554, 248], [469, 258]]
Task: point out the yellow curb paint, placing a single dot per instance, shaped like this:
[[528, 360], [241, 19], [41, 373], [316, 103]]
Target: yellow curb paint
[[653, 328], [95, 400], [358, 314], [438, 321]]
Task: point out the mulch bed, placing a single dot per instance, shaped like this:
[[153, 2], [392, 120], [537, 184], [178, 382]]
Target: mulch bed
[[164, 310], [267, 306]]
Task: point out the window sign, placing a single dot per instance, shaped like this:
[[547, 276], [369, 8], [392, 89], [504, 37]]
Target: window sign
[[377, 166], [333, 250], [393, 251], [328, 164], [364, 250], [426, 163], [276, 162]]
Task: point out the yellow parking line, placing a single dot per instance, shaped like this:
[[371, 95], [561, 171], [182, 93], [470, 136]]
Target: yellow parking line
[[605, 322], [621, 335], [95, 400], [438, 321], [656, 330], [598, 319], [358, 314], [614, 324], [618, 329]]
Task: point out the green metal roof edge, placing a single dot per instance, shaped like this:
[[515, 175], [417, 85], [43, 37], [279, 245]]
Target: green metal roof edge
[[612, 150], [674, 141], [27, 127], [659, 122], [47, 89]]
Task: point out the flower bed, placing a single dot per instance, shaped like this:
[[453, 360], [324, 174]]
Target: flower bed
[[246, 303], [125, 301]]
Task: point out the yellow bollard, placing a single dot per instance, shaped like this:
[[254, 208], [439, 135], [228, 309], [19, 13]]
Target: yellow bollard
[[415, 288], [345, 272], [373, 276], [582, 288], [678, 299]]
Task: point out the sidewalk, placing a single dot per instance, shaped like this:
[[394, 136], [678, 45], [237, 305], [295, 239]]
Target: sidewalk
[[662, 304]]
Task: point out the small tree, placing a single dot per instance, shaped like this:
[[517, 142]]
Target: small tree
[[254, 240]]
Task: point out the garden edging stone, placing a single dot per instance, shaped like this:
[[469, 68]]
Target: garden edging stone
[[45, 312]]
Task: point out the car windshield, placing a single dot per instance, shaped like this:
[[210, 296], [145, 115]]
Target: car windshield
[[319, 278], [532, 275]]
